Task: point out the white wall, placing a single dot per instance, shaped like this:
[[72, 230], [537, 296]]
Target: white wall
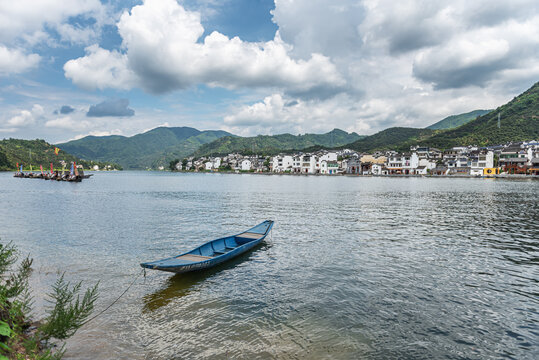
[[246, 165]]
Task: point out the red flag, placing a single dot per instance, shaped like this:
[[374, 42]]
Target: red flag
[[75, 168], [51, 169], [17, 166], [41, 167]]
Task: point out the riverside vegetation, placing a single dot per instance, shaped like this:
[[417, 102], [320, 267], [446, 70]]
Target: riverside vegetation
[[39, 152], [67, 311]]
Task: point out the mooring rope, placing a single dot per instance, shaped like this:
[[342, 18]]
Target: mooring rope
[[118, 298]]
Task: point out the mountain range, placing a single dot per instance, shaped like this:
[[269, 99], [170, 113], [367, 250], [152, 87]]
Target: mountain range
[[158, 146], [147, 150], [519, 120], [454, 121], [273, 144]]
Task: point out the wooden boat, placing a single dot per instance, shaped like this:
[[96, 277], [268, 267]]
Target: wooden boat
[[213, 252]]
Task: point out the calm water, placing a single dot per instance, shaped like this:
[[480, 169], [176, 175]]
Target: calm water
[[356, 267]]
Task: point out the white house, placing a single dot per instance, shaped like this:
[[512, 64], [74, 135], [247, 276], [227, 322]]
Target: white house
[[282, 163], [246, 165], [421, 170], [410, 163], [485, 159], [323, 167], [329, 167], [296, 163], [332, 167], [330, 156], [208, 165], [308, 164], [376, 169]]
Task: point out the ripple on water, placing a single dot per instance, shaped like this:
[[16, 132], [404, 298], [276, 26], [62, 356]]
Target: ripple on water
[[355, 267]]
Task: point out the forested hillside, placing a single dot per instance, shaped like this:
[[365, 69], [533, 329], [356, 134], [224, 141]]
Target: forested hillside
[[454, 121], [147, 150], [272, 144], [38, 152]]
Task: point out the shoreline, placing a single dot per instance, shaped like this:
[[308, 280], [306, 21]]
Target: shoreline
[[501, 176]]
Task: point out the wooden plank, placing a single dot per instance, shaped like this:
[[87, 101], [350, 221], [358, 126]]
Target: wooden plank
[[193, 257], [249, 235]]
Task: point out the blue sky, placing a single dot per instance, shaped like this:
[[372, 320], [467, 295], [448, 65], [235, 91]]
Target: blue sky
[[256, 66]]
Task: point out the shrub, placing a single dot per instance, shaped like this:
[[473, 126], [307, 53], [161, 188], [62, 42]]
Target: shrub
[[66, 314]]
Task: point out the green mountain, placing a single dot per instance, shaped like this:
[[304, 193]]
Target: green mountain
[[273, 144], [454, 121], [148, 150], [37, 152], [519, 121], [387, 139]]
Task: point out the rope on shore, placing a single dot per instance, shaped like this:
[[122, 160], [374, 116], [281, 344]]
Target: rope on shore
[[115, 301]]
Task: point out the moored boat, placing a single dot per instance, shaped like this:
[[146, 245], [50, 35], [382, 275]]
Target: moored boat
[[213, 252]]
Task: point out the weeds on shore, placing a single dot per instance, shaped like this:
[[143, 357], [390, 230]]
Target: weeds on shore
[[66, 313]]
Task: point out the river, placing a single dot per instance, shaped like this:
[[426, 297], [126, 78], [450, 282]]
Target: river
[[356, 267]]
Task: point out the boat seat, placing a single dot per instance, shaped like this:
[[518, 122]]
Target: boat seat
[[249, 235], [219, 252], [193, 257], [229, 248]]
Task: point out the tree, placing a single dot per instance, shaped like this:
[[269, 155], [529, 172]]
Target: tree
[[4, 163], [172, 164]]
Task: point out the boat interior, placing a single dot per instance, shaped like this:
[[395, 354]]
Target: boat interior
[[220, 246]]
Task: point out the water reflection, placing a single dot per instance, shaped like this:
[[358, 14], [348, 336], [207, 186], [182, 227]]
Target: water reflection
[[180, 285]]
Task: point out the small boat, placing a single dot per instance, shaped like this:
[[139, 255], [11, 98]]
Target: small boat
[[213, 252]]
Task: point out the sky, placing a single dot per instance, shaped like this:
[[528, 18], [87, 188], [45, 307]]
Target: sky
[[74, 68]]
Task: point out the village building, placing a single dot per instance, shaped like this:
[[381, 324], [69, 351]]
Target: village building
[[378, 169], [353, 166], [514, 159], [481, 160], [282, 163], [308, 164], [245, 165]]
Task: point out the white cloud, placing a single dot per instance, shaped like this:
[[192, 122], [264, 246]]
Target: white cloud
[[100, 68], [93, 133], [476, 57], [25, 24], [280, 114], [163, 53], [411, 62], [326, 27], [68, 123], [14, 61], [26, 117], [165, 124], [358, 65], [29, 17]]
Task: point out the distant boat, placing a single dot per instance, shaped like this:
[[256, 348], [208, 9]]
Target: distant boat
[[213, 252]]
